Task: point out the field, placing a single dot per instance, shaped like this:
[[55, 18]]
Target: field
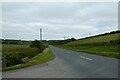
[[99, 39], [106, 45], [12, 48]]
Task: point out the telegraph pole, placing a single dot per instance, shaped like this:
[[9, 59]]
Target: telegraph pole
[[64, 38], [41, 38], [89, 34]]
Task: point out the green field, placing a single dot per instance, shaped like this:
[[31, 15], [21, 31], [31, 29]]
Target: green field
[[12, 48], [106, 45], [99, 39]]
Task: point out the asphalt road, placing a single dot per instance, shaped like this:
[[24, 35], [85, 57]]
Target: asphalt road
[[70, 64]]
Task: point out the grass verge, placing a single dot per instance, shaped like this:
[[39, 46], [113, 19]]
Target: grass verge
[[108, 51], [39, 59]]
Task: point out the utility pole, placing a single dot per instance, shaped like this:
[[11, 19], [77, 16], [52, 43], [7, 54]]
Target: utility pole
[[64, 38], [89, 34], [41, 39]]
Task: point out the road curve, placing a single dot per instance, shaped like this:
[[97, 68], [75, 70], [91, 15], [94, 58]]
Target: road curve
[[70, 64], [85, 65]]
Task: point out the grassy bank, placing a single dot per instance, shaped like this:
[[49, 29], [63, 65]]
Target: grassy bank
[[108, 51], [39, 59], [107, 38]]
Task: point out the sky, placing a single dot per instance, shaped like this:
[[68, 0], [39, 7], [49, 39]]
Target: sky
[[22, 20]]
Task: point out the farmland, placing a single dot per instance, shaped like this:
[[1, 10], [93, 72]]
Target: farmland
[[99, 39], [104, 45], [7, 47]]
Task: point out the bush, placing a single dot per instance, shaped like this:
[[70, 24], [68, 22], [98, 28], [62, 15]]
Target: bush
[[38, 44]]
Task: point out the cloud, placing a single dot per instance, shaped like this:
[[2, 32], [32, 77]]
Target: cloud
[[58, 19]]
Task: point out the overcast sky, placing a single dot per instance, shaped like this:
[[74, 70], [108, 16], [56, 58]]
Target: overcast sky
[[57, 19]]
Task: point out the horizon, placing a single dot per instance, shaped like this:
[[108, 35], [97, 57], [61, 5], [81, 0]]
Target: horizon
[[57, 39]]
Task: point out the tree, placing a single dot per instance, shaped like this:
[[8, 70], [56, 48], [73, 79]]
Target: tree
[[36, 44]]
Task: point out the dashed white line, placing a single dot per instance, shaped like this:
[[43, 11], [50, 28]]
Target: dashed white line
[[89, 59], [82, 56], [86, 58], [69, 52]]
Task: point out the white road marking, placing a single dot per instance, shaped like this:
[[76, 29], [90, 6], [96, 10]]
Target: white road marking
[[89, 59], [69, 52], [61, 68], [86, 58], [82, 56]]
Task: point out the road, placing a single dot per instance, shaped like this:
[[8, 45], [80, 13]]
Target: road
[[70, 64]]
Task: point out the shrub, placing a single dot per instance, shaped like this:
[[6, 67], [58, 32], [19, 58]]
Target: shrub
[[38, 44]]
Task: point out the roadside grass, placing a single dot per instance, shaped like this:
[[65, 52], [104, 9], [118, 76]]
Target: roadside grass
[[108, 50], [39, 59], [97, 39]]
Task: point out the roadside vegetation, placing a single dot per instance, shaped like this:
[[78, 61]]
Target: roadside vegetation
[[46, 56], [104, 44], [22, 55], [13, 54]]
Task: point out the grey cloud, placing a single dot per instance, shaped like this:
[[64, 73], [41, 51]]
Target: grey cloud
[[23, 20]]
